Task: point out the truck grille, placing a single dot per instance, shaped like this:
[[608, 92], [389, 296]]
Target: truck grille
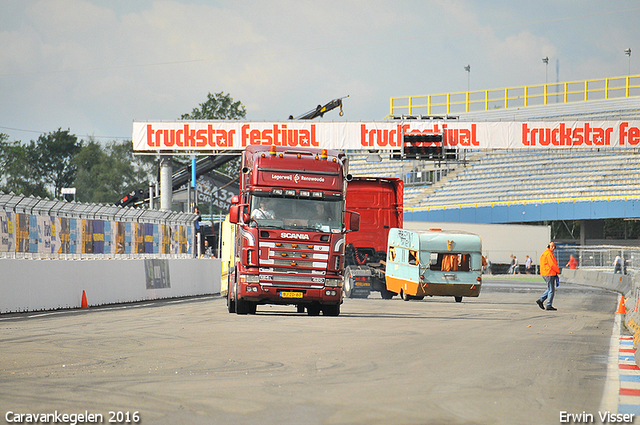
[[291, 263], [295, 255]]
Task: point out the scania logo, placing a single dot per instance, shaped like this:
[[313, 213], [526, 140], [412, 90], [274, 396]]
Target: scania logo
[[296, 178], [294, 235]]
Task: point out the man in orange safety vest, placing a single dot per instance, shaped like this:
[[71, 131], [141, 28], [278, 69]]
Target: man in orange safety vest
[[549, 271]]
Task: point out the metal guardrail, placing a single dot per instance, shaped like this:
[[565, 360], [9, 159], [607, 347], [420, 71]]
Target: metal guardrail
[[37, 228], [600, 257], [516, 97]]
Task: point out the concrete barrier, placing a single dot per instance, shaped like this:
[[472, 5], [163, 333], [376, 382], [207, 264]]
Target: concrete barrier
[[621, 284], [632, 317], [626, 286], [35, 285]]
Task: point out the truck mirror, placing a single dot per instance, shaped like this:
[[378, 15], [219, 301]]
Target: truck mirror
[[234, 214], [235, 199], [246, 217], [354, 221]]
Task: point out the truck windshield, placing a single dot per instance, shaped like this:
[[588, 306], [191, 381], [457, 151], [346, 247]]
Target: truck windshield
[[296, 214]]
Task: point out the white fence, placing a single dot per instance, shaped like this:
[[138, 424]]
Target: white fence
[[36, 228]]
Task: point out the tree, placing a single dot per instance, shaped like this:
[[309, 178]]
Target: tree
[[219, 106], [107, 174], [51, 159], [15, 170]]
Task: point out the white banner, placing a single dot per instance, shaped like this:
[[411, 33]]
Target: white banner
[[387, 135]]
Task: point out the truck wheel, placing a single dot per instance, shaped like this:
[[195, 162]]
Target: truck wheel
[[348, 287], [231, 299], [231, 305], [244, 307], [331, 310], [458, 299], [386, 294], [313, 310], [300, 308]]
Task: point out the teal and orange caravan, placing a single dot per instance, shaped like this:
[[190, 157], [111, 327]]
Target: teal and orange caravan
[[433, 262]]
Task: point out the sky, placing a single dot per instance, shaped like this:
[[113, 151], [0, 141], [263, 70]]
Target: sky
[[95, 66]]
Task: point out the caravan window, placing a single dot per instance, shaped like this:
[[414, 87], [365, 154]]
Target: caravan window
[[456, 262], [413, 257]]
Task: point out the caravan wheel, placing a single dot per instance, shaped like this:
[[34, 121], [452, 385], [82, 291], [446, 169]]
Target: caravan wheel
[[404, 296]]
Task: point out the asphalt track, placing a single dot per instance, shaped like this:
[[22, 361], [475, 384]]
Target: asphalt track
[[495, 359]]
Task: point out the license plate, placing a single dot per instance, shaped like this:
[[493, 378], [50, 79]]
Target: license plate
[[362, 283], [290, 294]]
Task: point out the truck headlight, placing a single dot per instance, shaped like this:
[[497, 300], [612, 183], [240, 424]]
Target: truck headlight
[[250, 278], [333, 282]]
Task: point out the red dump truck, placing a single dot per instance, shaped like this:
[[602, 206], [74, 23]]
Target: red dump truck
[[378, 200], [289, 230]]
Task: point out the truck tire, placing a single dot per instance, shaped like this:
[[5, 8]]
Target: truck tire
[[331, 309], [348, 287], [313, 309], [245, 307], [231, 299], [386, 294], [300, 308], [231, 305], [458, 299]]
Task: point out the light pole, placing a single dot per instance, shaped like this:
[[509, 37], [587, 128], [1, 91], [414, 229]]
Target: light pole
[[628, 53], [545, 60], [468, 69]]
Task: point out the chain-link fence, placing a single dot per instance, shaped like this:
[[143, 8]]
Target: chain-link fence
[[36, 228], [601, 257]]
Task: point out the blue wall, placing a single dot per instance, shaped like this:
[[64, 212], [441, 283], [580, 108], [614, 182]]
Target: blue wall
[[519, 213]]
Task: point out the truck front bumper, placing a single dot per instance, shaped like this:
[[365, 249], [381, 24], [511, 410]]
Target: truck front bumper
[[277, 295]]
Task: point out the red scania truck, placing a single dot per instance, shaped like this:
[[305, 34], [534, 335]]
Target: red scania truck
[[379, 202], [290, 225]]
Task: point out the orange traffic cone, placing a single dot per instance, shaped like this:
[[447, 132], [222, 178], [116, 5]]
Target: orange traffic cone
[[621, 308], [84, 300]]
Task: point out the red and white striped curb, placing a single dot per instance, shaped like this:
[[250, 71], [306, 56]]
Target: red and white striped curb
[[629, 377]]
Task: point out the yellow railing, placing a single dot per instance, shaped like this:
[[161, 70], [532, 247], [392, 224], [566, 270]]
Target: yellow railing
[[516, 97]]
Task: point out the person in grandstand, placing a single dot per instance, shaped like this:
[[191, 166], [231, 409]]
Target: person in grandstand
[[549, 271]]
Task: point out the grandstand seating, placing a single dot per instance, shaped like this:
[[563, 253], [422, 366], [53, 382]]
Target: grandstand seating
[[418, 176], [505, 176], [515, 176]]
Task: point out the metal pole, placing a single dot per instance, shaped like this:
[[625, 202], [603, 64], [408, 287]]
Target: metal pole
[[468, 69], [166, 190], [187, 208], [193, 181], [150, 195]]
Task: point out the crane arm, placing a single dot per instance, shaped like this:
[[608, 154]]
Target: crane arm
[[320, 110]]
